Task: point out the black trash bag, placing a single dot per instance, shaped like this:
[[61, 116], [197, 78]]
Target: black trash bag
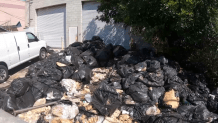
[[155, 93], [162, 60], [152, 65], [155, 77], [67, 71], [19, 87], [212, 104], [105, 99], [114, 76], [196, 114], [202, 90], [76, 44], [95, 45], [94, 38], [77, 61], [147, 53], [54, 94], [125, 70], [50, 73], [3, 94], [142, 66], [63, 60], [169, 72], [215, 93], [196, 99], [130, 80], [33, 69], [138, 92], [149, 119], [119, 51], [127, 99], [104, 54], [152, 79], [111, 63], [37, 94], [139, 110], [103, 63], [128, 108], [90, 61], [170, 118], [43, 88], [25, 101], [49, 63], [87, 53], [50, 83], [174, 65], [130, 59], [83, 75], [116, 85], [72, 51], [174, 80], [9, 103]]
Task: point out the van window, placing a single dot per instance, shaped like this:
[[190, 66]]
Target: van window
[[31, 37]]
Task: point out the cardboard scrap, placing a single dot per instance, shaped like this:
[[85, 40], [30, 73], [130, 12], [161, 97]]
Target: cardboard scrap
[[40, 102], [125, 118], [171, 99], [60, 120], [60, 64]]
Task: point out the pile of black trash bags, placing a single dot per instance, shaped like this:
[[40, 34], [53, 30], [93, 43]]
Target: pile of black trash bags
[[141, 75]]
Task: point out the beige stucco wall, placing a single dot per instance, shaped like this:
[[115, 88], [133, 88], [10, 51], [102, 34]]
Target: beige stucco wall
[[14, 11]]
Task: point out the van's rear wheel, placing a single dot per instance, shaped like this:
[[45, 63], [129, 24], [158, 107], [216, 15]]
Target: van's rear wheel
[[42, 54], [3, 73]]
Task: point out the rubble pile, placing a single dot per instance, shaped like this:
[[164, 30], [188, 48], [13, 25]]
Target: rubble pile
[[97, 83]]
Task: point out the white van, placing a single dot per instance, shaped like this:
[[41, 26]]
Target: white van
[[17, 48]]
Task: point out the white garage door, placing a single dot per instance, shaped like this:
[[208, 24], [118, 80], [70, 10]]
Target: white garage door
[[51, 23], [110, 33]]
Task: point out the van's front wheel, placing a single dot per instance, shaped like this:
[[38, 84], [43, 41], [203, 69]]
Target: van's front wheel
[[42, 54], [3, 73]]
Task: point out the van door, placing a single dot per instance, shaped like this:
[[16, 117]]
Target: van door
[[34, 46], [4, 51], [22, 44], [13, 53]]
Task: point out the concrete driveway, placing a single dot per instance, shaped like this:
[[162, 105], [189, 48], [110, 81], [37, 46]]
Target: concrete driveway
[[18, 72]]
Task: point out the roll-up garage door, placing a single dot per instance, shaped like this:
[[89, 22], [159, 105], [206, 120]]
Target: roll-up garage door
[[110, 33], [51, 25]]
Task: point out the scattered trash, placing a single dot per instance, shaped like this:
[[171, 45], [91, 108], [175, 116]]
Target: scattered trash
[[34, 115], [91, 82], [65, 111]]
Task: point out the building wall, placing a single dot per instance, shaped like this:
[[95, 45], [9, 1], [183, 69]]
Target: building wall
[[73, 17], [13, 10], [73, 14]]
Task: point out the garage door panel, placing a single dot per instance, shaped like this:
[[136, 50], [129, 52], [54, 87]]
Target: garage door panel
[[110, 33], [51, 23]]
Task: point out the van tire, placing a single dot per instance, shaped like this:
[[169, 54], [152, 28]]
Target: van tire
[[3, 73], [42, 54]]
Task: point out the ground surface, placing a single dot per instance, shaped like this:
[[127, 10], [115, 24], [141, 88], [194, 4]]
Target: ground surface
[[18, 72]]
